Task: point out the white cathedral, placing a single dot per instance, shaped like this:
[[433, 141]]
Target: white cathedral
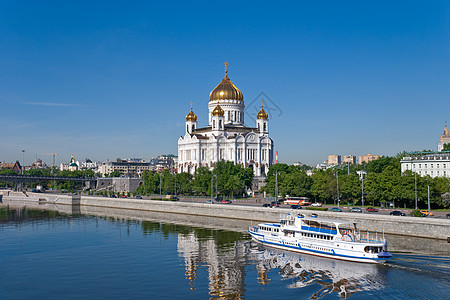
[[226, 137]]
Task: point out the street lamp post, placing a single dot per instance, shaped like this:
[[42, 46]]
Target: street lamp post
[[361, 174], [415, 187], [429, 207], [337, 185], [160, 183], [212, 190], [175, 184], [23, 160], [276, 186]]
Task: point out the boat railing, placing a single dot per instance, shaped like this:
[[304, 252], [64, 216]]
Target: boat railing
[[362, 237]]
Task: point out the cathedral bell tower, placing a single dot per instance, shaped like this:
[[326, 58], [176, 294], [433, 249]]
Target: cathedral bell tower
[[217, 122], [262, 120], [191, 121]]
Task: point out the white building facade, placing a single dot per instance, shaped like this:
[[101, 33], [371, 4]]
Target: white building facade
[[226, 137], [434, 165]]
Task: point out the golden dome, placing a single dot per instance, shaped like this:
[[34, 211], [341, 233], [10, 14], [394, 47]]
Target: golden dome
[[218, 111], [226, 90], [191, 116], [262, 115], [446, 129]]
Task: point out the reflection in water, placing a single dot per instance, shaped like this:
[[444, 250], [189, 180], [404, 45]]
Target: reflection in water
[[23, 214], [226, 268], [217, 261], [226, 271], [342, 277]]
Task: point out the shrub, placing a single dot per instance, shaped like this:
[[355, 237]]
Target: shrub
[[316, 208], [415, 213]]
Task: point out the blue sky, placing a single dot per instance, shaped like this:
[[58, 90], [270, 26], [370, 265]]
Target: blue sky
[[109, 79]]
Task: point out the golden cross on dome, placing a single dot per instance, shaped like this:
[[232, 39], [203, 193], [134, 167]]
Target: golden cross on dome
[[226, 67], [262, 103], [191, 105]]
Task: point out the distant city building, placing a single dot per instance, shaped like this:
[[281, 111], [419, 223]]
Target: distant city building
[[119, 184], [72, 166], [226, 137], [349, 159], [334, 159], [434, 165], [164, 162], [126, 168], [37, 164], [88, 164], [368, 157], [16, 167], [444, 138]]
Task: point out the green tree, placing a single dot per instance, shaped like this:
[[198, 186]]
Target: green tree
[[201, 185], [324, 185]]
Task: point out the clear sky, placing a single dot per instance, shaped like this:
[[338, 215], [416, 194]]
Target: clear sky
[[109, 79]]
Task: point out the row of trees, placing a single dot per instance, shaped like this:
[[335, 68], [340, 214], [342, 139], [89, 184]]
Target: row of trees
[[226, 179], [383, 182]]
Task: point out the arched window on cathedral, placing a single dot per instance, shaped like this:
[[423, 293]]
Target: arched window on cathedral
[[187, 128], [258, 127], [214, 124], [220, 124], [265, 127]]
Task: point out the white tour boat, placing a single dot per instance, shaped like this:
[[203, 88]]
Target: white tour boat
[[322, 237]]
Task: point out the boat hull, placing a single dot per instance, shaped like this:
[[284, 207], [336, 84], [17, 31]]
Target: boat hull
[[260, 239]]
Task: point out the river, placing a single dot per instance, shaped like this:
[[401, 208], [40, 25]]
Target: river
[[115, 254]]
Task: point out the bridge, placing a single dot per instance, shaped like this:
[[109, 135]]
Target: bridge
[[20, 179]]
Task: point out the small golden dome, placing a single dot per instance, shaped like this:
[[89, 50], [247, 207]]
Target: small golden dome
[[262, 115], [218, 111], [226, 90], [191, 116], [446, 129]]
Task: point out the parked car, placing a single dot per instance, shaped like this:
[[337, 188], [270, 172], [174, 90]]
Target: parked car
[[209, 201], [355, 209], [296, 206], [113, 196], [218, 199], [317, 204], [275, 203], [371, 209], [335, 209], [226, 201], [397, 213], [267, 205], [174, 198], [425, 213], [122, 196], [138, 197], [447, 216]]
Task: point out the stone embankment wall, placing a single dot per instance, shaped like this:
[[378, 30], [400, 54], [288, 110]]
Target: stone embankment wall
[[407, 226]]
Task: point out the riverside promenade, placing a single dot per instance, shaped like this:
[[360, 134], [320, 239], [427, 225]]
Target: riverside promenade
[[405, 226]]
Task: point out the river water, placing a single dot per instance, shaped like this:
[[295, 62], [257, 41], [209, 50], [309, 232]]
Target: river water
[[49, 255]]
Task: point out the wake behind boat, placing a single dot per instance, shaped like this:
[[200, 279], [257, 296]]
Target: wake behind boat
[[322, 237]]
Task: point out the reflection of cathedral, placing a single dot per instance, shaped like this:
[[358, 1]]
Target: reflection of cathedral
[[226, 273], [226, 268], [226, 137]]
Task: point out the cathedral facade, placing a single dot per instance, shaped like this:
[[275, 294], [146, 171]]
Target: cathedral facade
[[226, 137]]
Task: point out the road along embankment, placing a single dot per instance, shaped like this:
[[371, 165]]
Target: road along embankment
[[406, 226]]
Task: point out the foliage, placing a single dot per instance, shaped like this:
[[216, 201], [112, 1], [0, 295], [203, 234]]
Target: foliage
[[446, 147], [383, 182], [415, 213]]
